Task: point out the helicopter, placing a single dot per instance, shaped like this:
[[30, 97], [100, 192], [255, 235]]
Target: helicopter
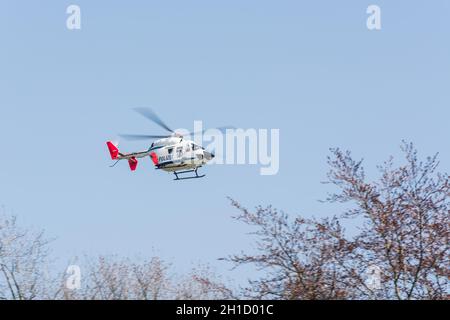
[[170, 152]]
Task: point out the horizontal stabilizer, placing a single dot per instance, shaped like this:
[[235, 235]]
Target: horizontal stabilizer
[[133, 163]]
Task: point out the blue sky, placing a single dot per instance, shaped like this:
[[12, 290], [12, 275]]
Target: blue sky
[[311, 69]]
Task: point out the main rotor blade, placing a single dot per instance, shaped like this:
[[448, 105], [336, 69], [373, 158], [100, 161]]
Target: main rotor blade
[[152, 116], [221, 129], [142, 136]]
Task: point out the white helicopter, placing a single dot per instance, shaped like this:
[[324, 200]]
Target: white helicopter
[[171, 153]]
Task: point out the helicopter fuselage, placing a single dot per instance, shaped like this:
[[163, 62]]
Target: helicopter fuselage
[[169, 154], [173, 154]]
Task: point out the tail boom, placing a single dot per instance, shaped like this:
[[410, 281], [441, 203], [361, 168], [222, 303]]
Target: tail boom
[[131, 157]]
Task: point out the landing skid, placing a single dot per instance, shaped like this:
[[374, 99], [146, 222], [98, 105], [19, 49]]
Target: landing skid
[[187, 171]]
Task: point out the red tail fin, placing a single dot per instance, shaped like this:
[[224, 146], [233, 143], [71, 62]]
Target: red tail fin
[[154, 158], [112, 150], [133, 163]]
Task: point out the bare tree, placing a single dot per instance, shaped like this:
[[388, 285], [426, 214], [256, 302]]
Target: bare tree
[[202, 283], [405, 225], [151, 280], [25, 274], [403, 237], [296, 256], [23, 261], [114, 278]]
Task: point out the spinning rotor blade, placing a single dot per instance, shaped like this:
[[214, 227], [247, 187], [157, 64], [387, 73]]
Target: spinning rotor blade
[[142, 136], [221, 129], [151, 115]]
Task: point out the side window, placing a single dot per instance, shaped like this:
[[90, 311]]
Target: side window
[[179, 152], [195, 147], [170, 150]]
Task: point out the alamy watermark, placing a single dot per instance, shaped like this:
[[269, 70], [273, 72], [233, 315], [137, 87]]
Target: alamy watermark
[[235, 146], [373, 278], [374, 20], [73, 21], [73, 280]]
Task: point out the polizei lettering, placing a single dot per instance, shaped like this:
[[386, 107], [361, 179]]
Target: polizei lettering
[[165, 158]]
